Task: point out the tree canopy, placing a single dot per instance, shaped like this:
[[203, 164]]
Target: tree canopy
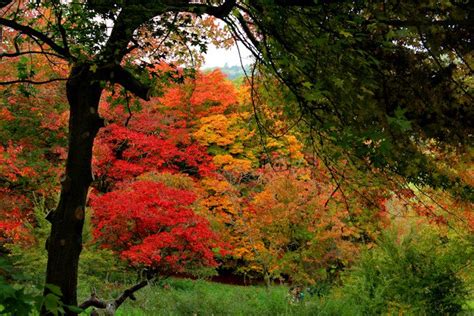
[[380, 87], [382, 81], [379, 80]]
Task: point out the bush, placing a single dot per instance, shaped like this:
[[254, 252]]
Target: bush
[[416, 273], [97, 266], [14, 300], [31, 258]]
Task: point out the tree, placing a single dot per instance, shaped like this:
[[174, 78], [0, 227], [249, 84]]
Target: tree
[[348, 64], [307, 225], [68, 32], [153, 225], [378, 80]]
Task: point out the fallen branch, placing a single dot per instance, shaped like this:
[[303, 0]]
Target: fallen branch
[[112, 306]]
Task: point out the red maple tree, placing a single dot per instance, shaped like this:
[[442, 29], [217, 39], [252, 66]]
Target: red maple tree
[[153, 225]]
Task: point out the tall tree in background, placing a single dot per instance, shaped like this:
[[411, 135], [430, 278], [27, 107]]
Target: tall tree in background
[[374, 80]]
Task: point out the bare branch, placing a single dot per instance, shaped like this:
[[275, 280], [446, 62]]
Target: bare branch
[[16, 54], [130, 114], [332, 193], [129, 293], [93, 301], [222, 10], [113, 305], [5, 83], [62, 31]]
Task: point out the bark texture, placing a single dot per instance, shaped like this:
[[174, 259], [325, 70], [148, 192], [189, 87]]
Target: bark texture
[[64, 244]]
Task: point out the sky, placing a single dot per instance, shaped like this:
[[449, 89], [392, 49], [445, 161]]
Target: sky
[[218, 57]]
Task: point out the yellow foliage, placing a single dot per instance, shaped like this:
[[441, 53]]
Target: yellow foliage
[[217, 185], [229, 163], [222, 130]]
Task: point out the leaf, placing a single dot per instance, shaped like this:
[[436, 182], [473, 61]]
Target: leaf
[[74, 309], [93, 68], [52, 304], [307, 84], [345, 33], [399, 120], [56, 290]]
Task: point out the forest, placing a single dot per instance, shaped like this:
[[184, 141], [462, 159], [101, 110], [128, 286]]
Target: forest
[[332, 176]]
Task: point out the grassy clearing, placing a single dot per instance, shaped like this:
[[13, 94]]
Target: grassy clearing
[[198, 297]]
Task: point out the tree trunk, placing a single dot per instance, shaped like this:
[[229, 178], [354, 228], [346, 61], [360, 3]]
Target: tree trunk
[[64, 244]]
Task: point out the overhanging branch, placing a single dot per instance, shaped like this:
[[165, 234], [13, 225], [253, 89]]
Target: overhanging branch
[[118, 74], [132, 84], [19, 53], [31, 32], [220, 11], [5, 83], [223, 10]]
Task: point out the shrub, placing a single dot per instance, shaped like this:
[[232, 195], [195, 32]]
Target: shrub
[[13, 299], [418, 272], [96, 266]]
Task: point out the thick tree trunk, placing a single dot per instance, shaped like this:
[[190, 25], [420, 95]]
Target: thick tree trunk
[[64, 244]]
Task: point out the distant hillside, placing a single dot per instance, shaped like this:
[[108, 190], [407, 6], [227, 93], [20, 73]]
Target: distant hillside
[[232, 72]]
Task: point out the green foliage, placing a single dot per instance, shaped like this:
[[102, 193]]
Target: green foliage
[[372, 84], [376, 82], [14, 300], [18, 298], [31, 259], [21, 273], [52, 300], [416, 273], [97, 265]]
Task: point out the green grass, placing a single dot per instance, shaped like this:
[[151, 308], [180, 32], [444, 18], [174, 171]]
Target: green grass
[[198, 297]]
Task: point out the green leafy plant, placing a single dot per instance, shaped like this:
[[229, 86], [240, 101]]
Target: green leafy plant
[[14, 300], [416, 272]]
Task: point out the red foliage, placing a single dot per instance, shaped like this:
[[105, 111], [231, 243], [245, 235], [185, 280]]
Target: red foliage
[[14, 211], [152, 225], [158, 137], [122, 153], [12, 167], [209, 93]]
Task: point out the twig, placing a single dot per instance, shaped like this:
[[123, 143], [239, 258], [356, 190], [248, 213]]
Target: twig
[[130, 114]]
